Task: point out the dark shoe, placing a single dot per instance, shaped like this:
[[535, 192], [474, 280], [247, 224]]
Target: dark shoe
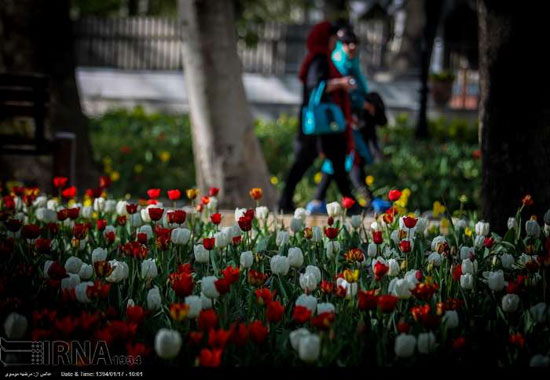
[[356, 209]]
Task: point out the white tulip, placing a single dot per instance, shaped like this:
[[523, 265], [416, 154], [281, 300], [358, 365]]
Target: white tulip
[[334, 209], [400, 288], [512, 223], [317, 234], [469, 266], [154, 301], [466, 252], [222, 239], [326, 307], [70, 282], [467, 281], [394, 236], [495, 280], [206, 303], [410, 276], [351, 288], [394, 268], [296, 225], [356, 221], [282, 238], [372, 250], [540, 361], [180, 236], [510, 303], [120, 271], [147, 230], [149, 269], [532, 228], [435, 259], [421, 225], [482, 229], [107, 230], [52, 204], [247, 259], [212, 206], [46, 215], [309, 348], [404, 345], [99, 204], [451, 319], [426, 342], [507, 260], [261, 213], [15, 325], [201, 254], [135, 220], [110, 205], [279, 265], [295, 257], [73, 264], [86, 272], [308, 282], [87, 212], [208, 287], [296, 335], [195, 306], [145, 215], [81, 291], [314, 270], [301, 214], [40, 201], [478, 241], [307, 301], [167, 343], [332, 248], [121, 208], [539, 312], [438, 240]]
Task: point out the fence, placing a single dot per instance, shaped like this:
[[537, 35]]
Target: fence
[[152, 43]]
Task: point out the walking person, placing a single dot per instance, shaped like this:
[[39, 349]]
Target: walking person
[[316, 68], [367, 111]]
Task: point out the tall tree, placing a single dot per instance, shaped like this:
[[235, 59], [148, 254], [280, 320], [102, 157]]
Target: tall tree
[[226, 150], [514, 113], [36, 36]]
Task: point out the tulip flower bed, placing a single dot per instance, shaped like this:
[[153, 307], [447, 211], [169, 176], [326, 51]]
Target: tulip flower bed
[[165, 284]]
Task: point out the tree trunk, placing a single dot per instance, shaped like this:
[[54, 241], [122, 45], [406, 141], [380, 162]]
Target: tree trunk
[[226, 151], [37, 37], [514, 118]]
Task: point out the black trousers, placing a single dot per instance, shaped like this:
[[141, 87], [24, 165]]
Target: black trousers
[[357, 176], [306, 149]]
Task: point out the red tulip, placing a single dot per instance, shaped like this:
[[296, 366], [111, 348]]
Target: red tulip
[[222, 285], [216, 218], [245, 223], [275, 311], [301, 314], [394, 195], [30, 231], [73, 213], [104, 181], [131, 208], [207, 319], [69, 192], [181, 283], [94, 193], [155, 213], [264, 296], [231, 274], [101, 224], [331, 232], [60, 182], [174, 195], [380, 269], [210, 358], [377, 237], [405, 246], [410, 222], [386, 303], [209, 243], [257, 332], [347, 202], [42, 245], [367, 299], [153, 193], [14, 225], [213, 191]]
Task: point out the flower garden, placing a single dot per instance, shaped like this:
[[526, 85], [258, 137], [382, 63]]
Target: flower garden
[[171, 280]]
